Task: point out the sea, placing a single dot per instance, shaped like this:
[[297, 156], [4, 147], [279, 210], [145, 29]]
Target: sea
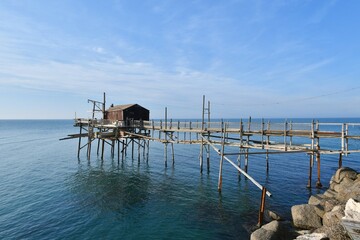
[[47, 192]]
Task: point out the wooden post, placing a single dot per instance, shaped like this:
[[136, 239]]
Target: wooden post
[[102, 149], [340, 160], [221, 157], [310, 170], [208, 147], [79, 145], [172, 153], [132, 148], [118, 148], [139, 150], [98, 147], [262, 207], [318, 183], [285, 133]]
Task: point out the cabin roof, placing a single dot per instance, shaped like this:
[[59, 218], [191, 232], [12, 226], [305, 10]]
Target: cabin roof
[[123, 107]]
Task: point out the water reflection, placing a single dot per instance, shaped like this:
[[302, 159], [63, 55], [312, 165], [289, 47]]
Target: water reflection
[[109, 188]]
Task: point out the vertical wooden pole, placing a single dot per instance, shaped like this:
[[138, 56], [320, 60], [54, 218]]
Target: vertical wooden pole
[[221, 158], [79, 145], [139, 150], [132, 148], [208, 137], [318, 183], [102, 149], [118, 148], [340, 160], [310, 170], [285, 134], [172, 154], [98, 147], [262, 207]]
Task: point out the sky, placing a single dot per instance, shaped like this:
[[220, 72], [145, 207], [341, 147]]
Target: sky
[[259, 58]]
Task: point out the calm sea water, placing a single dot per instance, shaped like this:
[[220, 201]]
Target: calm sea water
[[46, 192]]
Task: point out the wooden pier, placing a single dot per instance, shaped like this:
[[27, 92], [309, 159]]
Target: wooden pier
[[239, 139]]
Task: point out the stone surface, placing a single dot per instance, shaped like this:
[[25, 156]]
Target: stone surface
[[333, 217], [330, 204], [352, 191], [316, 199], [262, 234], [319, 210], [270, 216], [344, 172], [313, 236], [305, 217], [335, 232], [352, 210], [330, 193]]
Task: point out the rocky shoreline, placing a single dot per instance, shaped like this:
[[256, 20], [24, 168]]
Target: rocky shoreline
[[323, 217]]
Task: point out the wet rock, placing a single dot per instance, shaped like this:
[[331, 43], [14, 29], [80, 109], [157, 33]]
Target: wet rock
[[330, 193], [305, 217], [274, 230], [330, 204]]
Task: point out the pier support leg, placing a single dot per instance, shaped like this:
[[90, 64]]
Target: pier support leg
[[201, 157], [340, 160], [118, 148], [102, 149], [172, 154], [311, 159], [98, 147], [208, 159], [139, 151], [318, 183], [165, 154], [132, 149], [79, 145], [246, 160], [267, 162], [262, 207]]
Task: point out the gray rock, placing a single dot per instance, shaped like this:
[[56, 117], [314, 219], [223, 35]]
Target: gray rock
[[305, 217], [333, 217], [316, 199], [351, 191], [270, 216], [335, 232], [330, 193], [262, 234], [345, 184], [320, 211], [330, 204], [275, 230], [344, 173]]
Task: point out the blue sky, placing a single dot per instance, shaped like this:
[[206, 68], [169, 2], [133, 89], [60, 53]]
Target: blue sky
[[250, 58]]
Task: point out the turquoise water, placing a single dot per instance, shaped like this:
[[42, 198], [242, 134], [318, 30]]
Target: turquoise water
[[46, 192]]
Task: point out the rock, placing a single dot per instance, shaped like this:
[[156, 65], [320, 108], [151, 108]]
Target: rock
[[351, 191], [330, 193], [262, 234], [319, 210], [334, 216], [313, 236], [275, 230], [352, 210], [305, 217], [345, 184], [344, 173], [316, 199], [330, 204], [270, 216], [335, 232]]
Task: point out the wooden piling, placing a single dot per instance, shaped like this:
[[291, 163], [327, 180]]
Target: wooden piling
[[340, 160], [311, 159], [262, 207]]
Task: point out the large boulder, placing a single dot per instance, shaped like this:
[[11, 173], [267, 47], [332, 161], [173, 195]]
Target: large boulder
[[344, 172], [317, 199], [334, 216], [335, 232], [352, 210], [274, 230], [349, 191], [305, 217]]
